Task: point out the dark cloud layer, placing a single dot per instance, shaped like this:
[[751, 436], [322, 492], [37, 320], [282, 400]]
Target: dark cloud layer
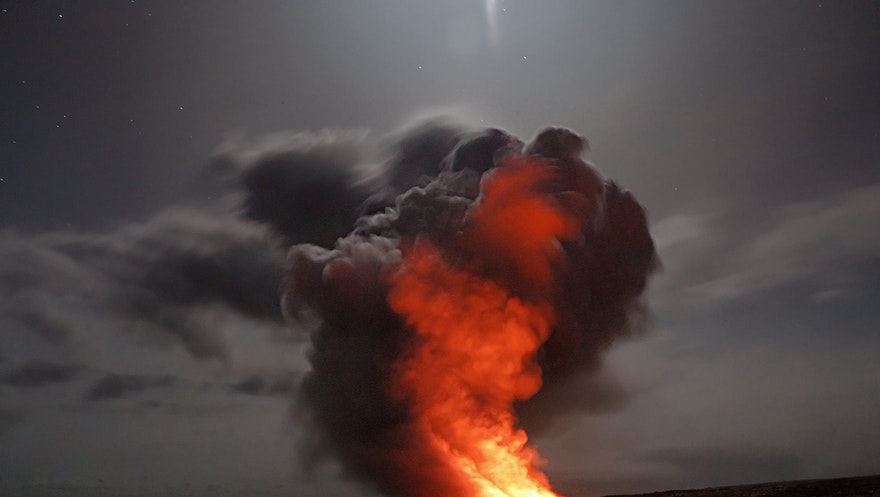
[[40, 373], [148, 279], [116, 386], [258, 385], [596, 292]]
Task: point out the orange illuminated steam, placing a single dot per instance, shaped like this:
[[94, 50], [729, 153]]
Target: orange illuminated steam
[[473, 353]]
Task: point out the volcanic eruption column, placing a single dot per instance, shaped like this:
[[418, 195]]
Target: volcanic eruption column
[[429, 337]]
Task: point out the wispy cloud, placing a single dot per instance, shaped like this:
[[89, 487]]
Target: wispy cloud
[[819, 243]]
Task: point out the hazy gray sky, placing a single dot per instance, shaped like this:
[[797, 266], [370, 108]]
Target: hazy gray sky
[[750, 131]]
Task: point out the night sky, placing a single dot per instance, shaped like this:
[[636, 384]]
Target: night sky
[[141, 341]]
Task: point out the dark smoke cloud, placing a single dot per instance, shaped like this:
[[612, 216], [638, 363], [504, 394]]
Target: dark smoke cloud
[[596, 294], [346, 215], [307, 186], [413, 157], [202, 278], [417, 153]]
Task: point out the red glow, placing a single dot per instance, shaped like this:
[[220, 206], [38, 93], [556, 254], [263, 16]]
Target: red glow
[[517, 219], [474, 349]]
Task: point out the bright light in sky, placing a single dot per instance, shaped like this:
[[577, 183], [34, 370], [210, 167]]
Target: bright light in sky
[[492, 21]]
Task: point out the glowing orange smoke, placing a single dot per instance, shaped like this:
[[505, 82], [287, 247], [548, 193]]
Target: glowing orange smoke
[[473, 354]]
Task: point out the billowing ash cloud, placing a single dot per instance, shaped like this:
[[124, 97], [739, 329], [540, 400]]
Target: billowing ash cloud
[[348, 215], [307, 186], [416, 153], [597, 279]]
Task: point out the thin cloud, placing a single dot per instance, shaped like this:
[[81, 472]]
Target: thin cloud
[[818, 243]]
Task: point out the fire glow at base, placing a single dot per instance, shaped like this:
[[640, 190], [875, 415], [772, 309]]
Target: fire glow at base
[[473, 354], [473, 360]]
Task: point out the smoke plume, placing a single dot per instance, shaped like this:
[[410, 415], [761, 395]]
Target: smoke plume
[[461, 310]]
